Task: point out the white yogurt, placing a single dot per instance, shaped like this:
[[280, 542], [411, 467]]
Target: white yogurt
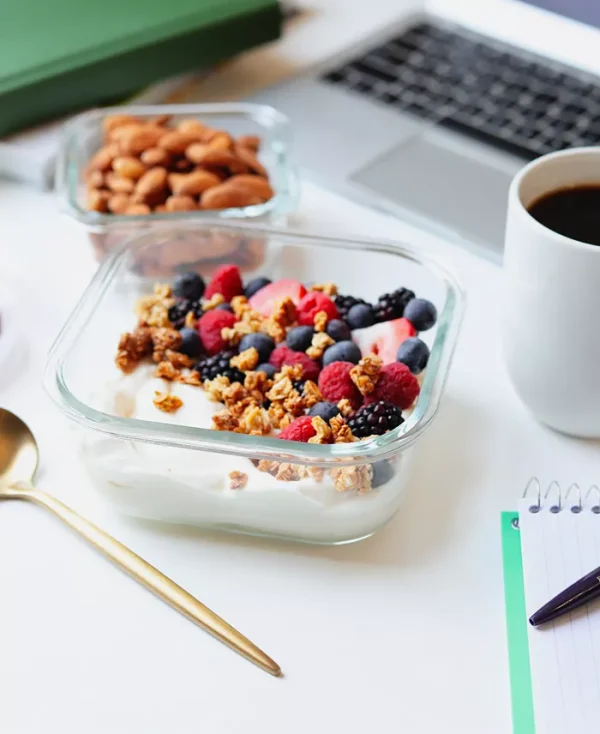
[[187, 486]]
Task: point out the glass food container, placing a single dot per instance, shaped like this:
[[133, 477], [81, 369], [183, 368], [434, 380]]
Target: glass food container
[[162, 470], [83, 136]]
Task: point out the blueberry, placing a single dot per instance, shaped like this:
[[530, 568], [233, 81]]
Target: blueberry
[[342, 352], [189, 285], [422, 314], [324, 410], [255, 285], [268, 369], [261, 342], [383, 471], [224, 307], [338, 330], [360, 316], [414, 353], [191, 344], [299, 338]]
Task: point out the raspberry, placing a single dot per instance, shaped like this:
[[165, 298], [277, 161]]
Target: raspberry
[[278, 356], [209, 328], [396, 384], [335, 384], [300, 429], [284, 355], [227, 281], [311, 304]]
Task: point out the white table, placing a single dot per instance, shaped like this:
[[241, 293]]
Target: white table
[[402, 632]]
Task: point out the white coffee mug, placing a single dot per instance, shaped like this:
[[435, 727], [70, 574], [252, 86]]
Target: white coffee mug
[[551, 328]]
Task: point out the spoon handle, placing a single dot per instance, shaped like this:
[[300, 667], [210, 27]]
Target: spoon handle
[[156, 581]]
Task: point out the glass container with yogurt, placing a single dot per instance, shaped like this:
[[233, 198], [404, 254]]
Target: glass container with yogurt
[[173, 467]]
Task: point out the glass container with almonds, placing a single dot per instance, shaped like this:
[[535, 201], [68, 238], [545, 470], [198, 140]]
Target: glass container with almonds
[[127, 168], [282, 402]]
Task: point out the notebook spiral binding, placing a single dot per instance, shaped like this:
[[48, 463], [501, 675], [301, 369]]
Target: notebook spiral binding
[[555, 500]]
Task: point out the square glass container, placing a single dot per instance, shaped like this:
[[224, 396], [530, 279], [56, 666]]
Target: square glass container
[[83, 137], [159, 469]]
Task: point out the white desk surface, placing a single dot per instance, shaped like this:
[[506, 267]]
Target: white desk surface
[[403, 632]]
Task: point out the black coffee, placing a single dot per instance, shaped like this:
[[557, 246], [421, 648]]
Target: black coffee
[[573, 212]]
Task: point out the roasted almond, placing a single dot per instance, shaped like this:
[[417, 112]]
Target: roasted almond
[[118, 203], [155, 157], [119, 184], [161, 120], [129, 167], [255, 184], [137, 209], [180, 204], [138, 139], [192, 127], [226, 196], [249, 141], [195, 152], [190, 184], [97, 201], [161, 209], [220, 141], [112, 122], [95, 180], [152, 182], [221, 159], [248, 157], [176, 141], [102, 160]]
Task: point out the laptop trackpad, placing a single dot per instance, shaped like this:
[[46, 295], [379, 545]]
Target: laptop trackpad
[[440, 181]]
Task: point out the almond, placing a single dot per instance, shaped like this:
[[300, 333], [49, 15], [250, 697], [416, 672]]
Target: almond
[[195, 152], [152, 182], [118, 203], [119, 184], [102, 160], [221, 159], [161, 120], [226, 196], [97, 201], [220, 141], [192, 127], [188, 184], [137, 209], [95, 180], [249, 141], [175, 141], [161, 209], [129, 167], [112, 122], [248, 157], [254, 184], [180, 204], [155, 157], [138, 139]]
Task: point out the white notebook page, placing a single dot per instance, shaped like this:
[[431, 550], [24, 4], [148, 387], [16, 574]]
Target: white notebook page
[[558, 549]]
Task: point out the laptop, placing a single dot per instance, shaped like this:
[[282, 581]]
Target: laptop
[[430, 119]]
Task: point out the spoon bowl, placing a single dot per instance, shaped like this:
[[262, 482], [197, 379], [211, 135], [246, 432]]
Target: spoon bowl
[[18, 463], [19, 454]]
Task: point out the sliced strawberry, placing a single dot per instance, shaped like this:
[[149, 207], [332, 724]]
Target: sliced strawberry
[[384, 339], [267, 298]]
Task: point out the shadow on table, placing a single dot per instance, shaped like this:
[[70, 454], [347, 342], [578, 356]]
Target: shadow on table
[[445, 463]]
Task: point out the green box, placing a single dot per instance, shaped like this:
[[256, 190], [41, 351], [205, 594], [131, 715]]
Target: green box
[[65, 55]]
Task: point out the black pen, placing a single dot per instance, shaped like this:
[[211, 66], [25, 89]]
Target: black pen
[[579, 593]]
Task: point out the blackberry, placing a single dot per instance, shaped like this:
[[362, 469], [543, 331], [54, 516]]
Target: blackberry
[[345, 303], [391, 305], [210, 367], [180, 309], [375, 419]]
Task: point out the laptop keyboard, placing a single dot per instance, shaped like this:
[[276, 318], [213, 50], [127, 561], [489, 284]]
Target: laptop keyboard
[[470, 83]]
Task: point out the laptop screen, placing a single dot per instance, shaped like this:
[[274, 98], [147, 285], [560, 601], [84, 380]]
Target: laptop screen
[[585, 11]]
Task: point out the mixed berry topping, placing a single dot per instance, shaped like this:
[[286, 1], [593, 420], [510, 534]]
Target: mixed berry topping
[[300, 362]]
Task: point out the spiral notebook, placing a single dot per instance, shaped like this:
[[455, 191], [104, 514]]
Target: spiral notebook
[[554, 670]]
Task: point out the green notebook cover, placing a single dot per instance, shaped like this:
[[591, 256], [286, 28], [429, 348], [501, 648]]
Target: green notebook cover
[[521, 692], [64, 55]]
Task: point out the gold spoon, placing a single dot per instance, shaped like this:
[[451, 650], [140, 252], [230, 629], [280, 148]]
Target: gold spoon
[[18, 463]]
